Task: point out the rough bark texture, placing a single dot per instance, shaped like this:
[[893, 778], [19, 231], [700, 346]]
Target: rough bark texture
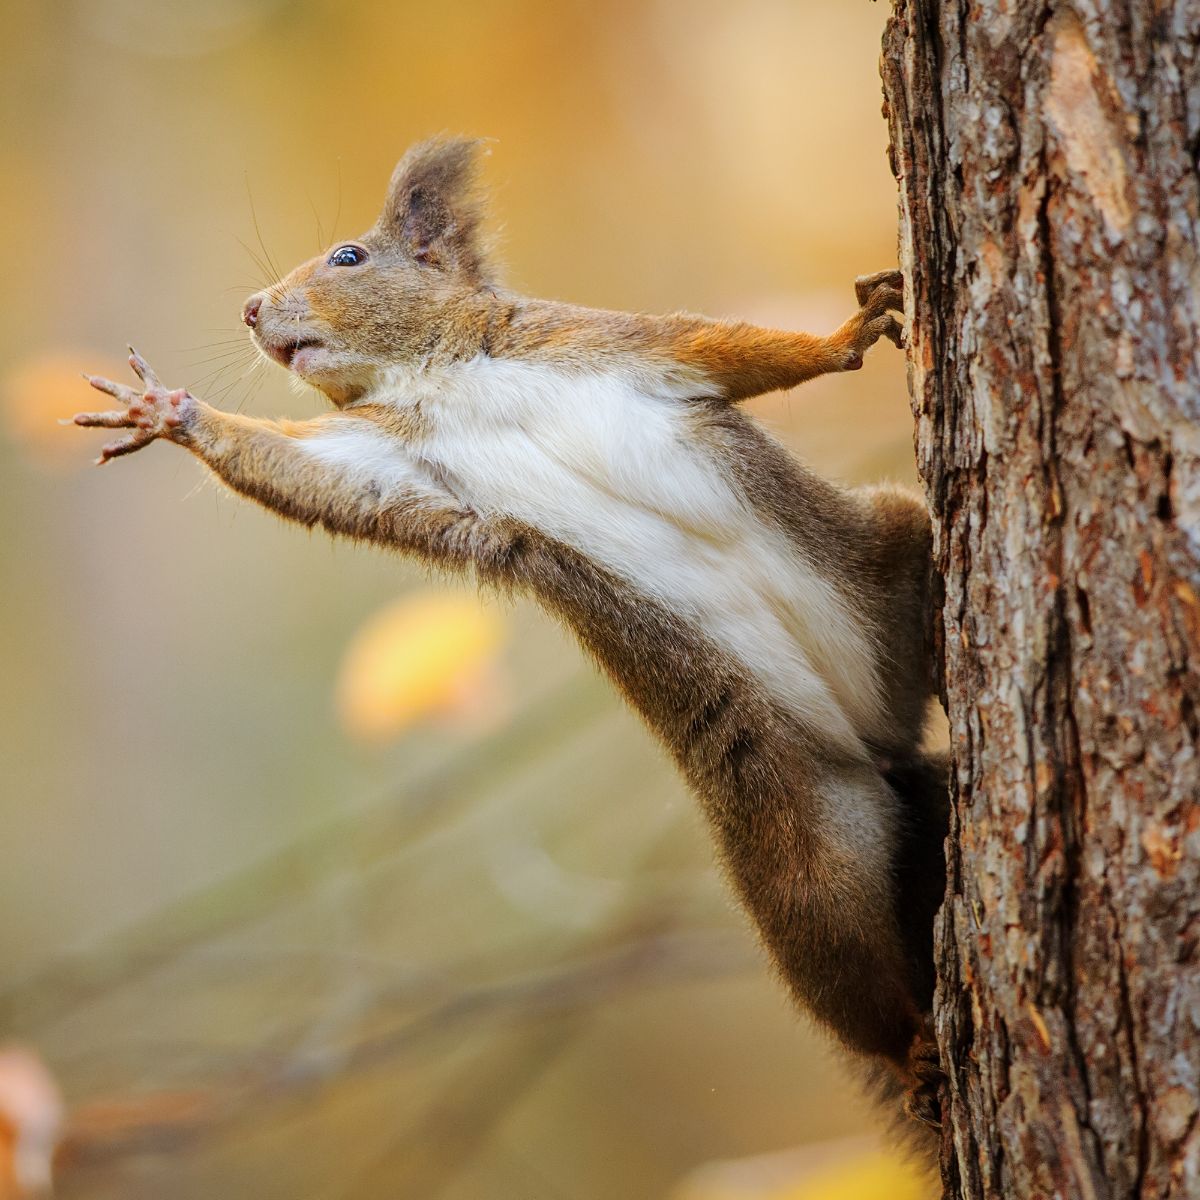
[[1046, 155]]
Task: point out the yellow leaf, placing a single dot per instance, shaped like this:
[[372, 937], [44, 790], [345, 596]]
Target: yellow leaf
[[845, 1170], [428, 654], [873, 1177]]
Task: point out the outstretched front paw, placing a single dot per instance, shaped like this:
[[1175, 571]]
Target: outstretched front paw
[[877, 295], [152, 411]]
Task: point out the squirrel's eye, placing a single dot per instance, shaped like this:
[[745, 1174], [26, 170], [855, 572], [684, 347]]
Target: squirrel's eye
[[347, 256]]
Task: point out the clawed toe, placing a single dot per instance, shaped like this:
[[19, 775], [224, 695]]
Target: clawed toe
[[923, 1104], [102, 420], [118, 391], [143, 370], [882, 300], [887, 326], [128, 445], [866, 285], [923, 1100]]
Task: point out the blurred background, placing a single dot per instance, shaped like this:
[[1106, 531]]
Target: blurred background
[[322, 878]]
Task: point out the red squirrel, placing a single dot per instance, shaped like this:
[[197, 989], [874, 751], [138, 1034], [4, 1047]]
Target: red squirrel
[[769, 626]]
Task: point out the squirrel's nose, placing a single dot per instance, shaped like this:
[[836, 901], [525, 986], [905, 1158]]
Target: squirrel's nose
[[250, 312]]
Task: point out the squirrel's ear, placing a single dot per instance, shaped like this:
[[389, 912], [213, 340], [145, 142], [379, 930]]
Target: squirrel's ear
[[433, 206]]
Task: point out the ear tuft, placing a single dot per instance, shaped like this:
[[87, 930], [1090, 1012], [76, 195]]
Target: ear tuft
[[433, 207]]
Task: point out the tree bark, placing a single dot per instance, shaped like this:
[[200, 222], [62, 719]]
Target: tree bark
[[1049, 200]]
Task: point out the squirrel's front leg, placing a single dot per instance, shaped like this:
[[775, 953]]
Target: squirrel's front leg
[[740, 360], [344, 471]]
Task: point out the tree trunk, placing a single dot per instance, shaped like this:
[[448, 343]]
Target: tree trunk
[[1046, 156]]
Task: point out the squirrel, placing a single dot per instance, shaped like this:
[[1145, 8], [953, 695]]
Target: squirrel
[[769, 626]]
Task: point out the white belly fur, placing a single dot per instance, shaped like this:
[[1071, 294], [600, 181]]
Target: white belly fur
[[595, 462]]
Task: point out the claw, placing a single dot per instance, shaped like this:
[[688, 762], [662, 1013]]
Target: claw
[[864, 285], [142, 369], [125, 446]]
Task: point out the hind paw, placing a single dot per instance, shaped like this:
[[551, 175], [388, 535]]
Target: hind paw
[[923, 1100]]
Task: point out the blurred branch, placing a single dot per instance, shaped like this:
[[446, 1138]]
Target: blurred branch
[[542, 1004], [363, 838]]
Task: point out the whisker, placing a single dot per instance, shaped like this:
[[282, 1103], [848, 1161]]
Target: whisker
[[218, 345], [215, 375], [258, 262], [236, 339], [264, 275], [317, 218], [254, 216], [213, 378], [256, 382], [228, 347], [337, 216], [216, 360], [229, 387]]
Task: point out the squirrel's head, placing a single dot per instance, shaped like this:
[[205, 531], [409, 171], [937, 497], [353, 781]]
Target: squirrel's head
[[405, 290]]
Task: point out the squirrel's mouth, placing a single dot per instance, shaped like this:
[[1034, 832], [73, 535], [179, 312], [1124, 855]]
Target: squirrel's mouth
[[285, 352]]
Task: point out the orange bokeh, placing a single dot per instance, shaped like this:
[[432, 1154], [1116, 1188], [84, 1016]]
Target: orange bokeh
[[39, 392]]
